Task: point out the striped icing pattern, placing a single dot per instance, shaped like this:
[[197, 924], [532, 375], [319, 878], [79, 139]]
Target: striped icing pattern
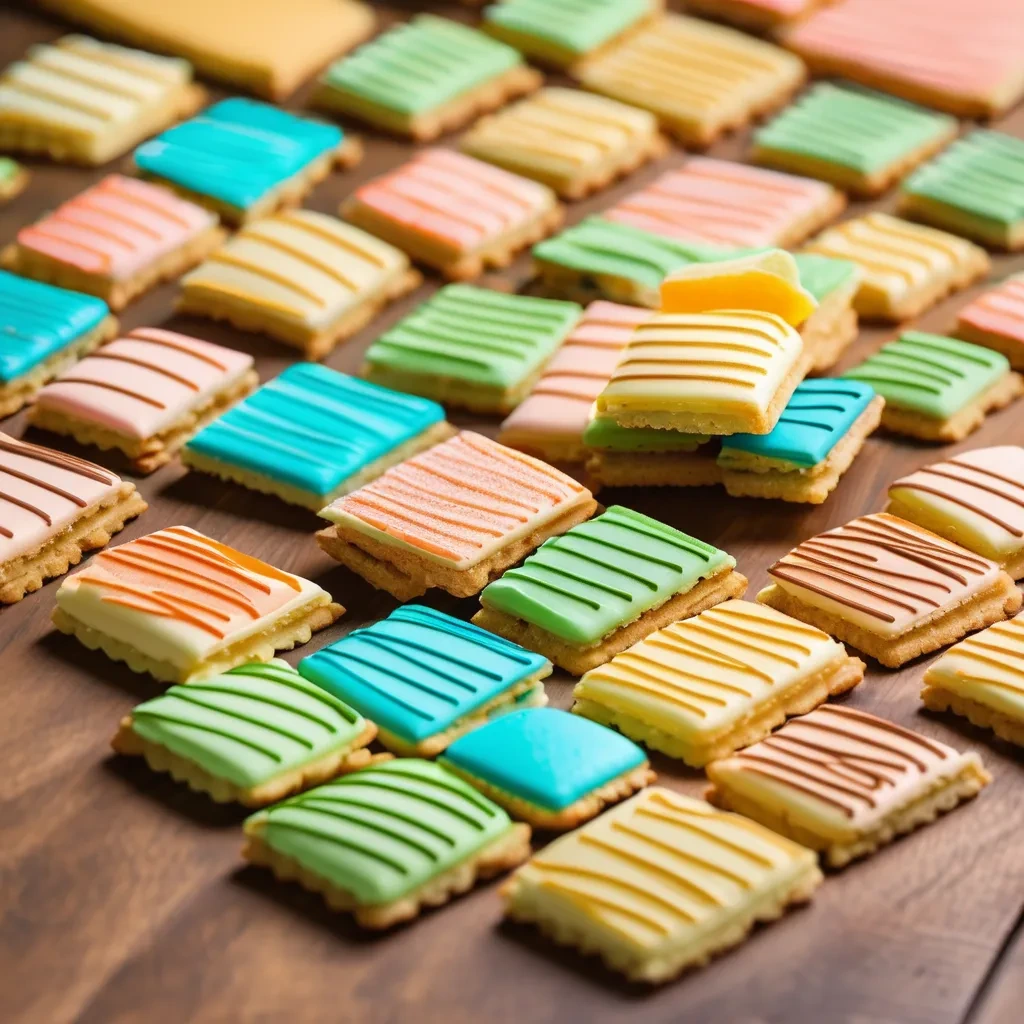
[[999, 311], [419, 671]]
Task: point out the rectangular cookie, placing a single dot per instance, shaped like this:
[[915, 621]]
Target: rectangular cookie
[[700, 80], [660, 884], [144, 394], [13, 178], [454, 213], [271, 55], [244, 159], [115, 240], [384, 842], [471, 348], [936, 388], [550, 422], [890, 588], [548, 768], [81, 101], [996, 320], [184, 607], [819, 434], [307, 279], [453, 517], [54, 508], [425, 77], [859, 140], [425, 678], [253, 735], [45, 330], [980, 679], [845, 783], [581, 598], [731, 205], [759, 15], [706, 373], [312, 434], [620, 456], [574, 142], [975, 498], [905, 268], [701, 688]]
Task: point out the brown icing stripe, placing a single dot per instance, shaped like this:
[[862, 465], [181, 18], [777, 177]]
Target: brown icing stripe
[[59, 459]]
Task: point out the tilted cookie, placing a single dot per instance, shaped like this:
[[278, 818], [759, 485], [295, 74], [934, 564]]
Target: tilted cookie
[[936, 388], [81, 101], [890, 588], [844, 782], [453, 517], [425, 77], [574, 142], [701, 688], [307, 279], [471, 347], [384, 842], [253, 735], [183, 607], [454, 213], [426, 678], [548, 768], [13, 178], [975, 499], [981, 679], [860, 140], [660, 884], [55, 507], [832, 327], [45, 330], [312, 434], [584, 597], [819, 434], [996, 320]]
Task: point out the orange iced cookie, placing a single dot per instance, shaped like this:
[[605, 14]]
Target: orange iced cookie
[[996, 320]]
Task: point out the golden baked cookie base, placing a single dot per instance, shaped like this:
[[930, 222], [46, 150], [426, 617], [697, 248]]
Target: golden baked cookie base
[[830, 329], [990, 233], [555, 448], [654, 469], [315, 343], [758, 19], [962, 423], [943, 796], [576, 660], [161, 759], [255, 481], [405, 574], [1005, 726], [427, 125], [455, 264], [19, 392], [147, 453], [14, 186], [93, 529], [561, 921], [568, 818], [999, 602], [282, 635], [839, 676], [1012, 348], [77, 146], [749, 476], [501, 855]]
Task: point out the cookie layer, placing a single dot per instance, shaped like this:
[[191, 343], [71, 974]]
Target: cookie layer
[[996, 320]]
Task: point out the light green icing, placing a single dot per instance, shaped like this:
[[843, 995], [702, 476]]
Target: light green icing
[[475, 335], [852, 127], [604, 433], [822, 275], [578, 26], [421, 64], [602, 574], [9, 170], [384, 831], [250, 724], [598, 246], [930, 374], [982, 174]]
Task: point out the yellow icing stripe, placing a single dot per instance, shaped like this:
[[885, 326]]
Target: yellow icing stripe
[[229, 259]]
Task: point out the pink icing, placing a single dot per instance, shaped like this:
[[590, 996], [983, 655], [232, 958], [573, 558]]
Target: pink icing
[[1000, 311]]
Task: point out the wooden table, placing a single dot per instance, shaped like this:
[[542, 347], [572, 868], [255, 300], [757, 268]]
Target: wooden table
[[123, 898]]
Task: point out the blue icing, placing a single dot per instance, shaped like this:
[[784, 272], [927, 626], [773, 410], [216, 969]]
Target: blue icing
[[313, 427], [38, 320], [237, 150], [817, 417], [547, 757], [418, 671]]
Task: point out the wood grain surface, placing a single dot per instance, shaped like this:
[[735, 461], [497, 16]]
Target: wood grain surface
[[122, 895]]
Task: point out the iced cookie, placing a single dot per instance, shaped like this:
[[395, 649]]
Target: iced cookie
[[760, 15], [13, 178], [996, 320]]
